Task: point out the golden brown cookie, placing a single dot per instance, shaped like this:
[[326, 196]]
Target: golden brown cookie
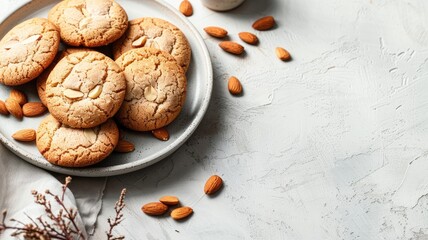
[[26, 50], [89, 23], [70, 147], [41, 80], [155, 33], [155, 91], [85, 89]]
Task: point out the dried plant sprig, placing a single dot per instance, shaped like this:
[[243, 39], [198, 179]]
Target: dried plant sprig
[[62, 224], [118, 207]]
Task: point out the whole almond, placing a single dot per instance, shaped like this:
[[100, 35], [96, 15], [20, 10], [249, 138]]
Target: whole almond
[[124, 146], [186, 8], [14, 108], [25, 135], [169, 200], [18, 96], [181, 212], [217, 32], [282, 54], [32, 109], [264, 23], [161, 134], [213, 184], [3, 109], [234, 86], [248, 38], [232, 47], [154, 208]]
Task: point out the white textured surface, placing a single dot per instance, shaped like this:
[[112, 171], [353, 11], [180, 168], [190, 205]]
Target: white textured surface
[[333, 145]]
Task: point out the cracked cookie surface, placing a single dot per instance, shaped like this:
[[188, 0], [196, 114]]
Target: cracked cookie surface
[[155, 91], [85, 89], [70, 147], [89, 23], [26, 50], [155, 33], [41, 80]]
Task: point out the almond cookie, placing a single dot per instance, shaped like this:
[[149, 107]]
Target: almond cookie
[[70, 147], [26, 50], [85, 89], [41, 80], [155, 33], [155, 91], [89, 23]]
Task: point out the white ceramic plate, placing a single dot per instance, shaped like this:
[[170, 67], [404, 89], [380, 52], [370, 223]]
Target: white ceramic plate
[[148, 149]]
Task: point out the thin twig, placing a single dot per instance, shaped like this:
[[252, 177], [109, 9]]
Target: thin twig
[[118, 207]]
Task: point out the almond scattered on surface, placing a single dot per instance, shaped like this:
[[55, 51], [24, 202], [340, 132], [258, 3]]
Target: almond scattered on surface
[[161, 134], [124, 146], [169, 200], [3, 109], [248, 38], [264, 23], [154, 208], [186, 8], [213, 184], [181, 212], [282, 54], [14, 108], [32, 109], [25, 135], [234, 86], [217, 32], [18, 96], [232, 47]]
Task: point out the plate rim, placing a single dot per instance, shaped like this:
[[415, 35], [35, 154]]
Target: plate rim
[[138, 164]]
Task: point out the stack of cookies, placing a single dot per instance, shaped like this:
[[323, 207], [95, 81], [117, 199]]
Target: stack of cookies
[[84, 89]]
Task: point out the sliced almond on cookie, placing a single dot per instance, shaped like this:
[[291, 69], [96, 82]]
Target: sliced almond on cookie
[[32, 39], [11, 44], [94, 93], [85, 22], [154, 44], [73, 94], [140, 42], [90, 135], [150, 93], [85, 12]]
